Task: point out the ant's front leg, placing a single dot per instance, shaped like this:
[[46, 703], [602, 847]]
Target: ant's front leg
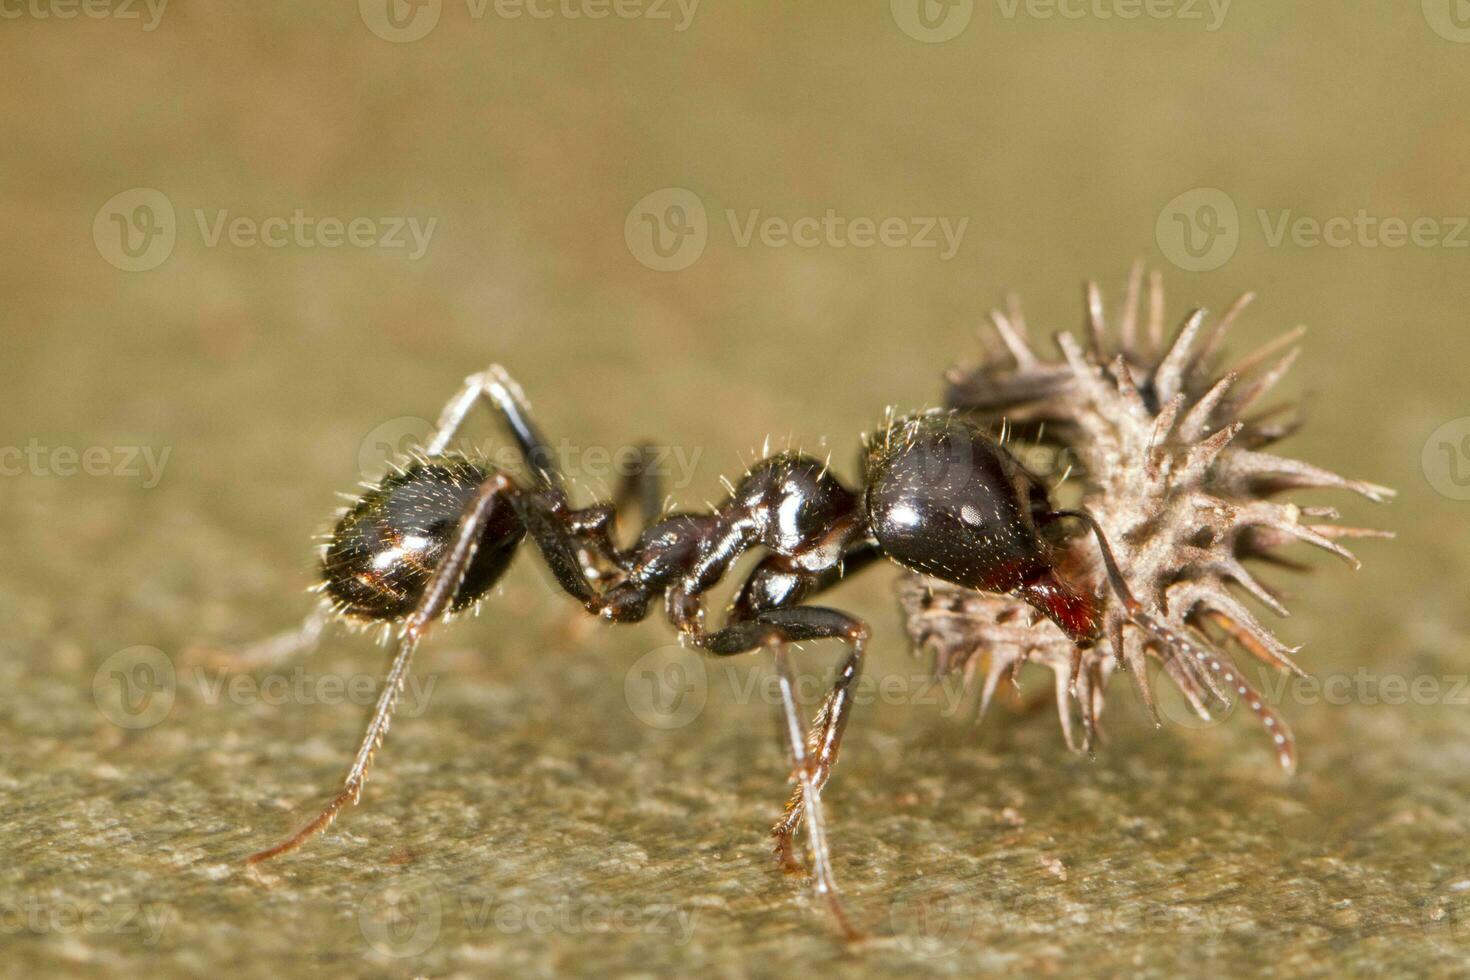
[[774, 584], [775, 628]]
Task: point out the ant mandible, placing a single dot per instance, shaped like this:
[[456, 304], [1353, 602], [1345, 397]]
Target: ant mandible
[[940, 496]]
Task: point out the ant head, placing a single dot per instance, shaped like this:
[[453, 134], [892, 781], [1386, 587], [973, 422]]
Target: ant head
[[946, 499], [384, 547]]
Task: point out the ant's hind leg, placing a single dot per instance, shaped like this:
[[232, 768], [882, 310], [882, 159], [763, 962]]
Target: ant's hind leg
[[592, 526], [438, 593], [813, 754], [497, 387], [271, 651], [286, 645]]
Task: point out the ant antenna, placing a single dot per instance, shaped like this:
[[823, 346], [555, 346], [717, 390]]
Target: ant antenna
[[1115, 577]]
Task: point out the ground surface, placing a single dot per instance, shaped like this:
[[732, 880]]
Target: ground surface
[[561, 799]]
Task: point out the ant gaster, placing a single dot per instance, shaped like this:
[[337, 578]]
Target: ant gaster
[[940, 496]]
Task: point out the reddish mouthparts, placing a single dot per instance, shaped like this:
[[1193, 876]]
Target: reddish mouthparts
[[1076, 614]]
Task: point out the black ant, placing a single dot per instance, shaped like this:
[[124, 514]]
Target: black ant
[[940, 496]]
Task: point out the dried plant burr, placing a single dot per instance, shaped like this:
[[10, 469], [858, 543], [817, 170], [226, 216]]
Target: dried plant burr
[[1171, 457]]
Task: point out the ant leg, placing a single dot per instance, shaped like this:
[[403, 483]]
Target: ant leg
[[592, 526], [438, 592], [285, 645], [826, 885], [643, 486], [595, 527], [553, 530], [496, 386], [824, 740], [772, 584], [776, 628]]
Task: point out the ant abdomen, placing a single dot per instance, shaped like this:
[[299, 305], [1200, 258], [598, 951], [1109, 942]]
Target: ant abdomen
[[385, 546]]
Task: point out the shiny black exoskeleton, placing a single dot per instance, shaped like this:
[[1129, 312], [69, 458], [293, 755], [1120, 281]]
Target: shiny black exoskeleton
[[940, 496], [947, 500], [385, 546]]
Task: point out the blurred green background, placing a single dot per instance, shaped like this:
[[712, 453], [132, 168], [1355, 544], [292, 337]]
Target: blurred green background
[[532, 818]]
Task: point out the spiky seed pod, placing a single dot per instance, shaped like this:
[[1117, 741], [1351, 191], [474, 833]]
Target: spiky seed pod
[[1169, 453]]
